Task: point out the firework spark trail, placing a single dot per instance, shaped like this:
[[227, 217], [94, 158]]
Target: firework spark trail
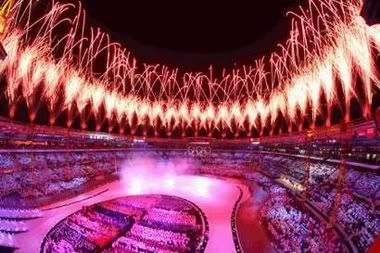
[[329, 48], [9, 67]]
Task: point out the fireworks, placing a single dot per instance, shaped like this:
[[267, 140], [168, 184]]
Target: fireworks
[[329, 48]]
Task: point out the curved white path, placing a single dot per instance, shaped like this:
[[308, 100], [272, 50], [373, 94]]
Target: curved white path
[[215, 196]]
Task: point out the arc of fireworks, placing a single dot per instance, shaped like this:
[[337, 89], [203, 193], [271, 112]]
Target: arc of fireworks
[[328, 45]]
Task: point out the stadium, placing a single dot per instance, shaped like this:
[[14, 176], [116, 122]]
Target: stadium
[[185, 127]]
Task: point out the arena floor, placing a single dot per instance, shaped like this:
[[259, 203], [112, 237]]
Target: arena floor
[[215, 196]]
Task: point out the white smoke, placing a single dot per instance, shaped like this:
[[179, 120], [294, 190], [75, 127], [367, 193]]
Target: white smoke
[[142, 174]]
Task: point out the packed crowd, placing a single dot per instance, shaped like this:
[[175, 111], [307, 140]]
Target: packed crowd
[[167, 238], [235, 164], [19, 214], [288, 223], [359, 218], [363, 183], [131, 224], [31, 179], [11, 226], [7, 240], [293, 228], [358, 210], [132, 244], [296, 231], [12, 221], [357, 213], [170, 217]]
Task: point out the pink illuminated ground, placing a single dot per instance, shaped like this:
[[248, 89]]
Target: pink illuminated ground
[[253, 235], [214, 196]]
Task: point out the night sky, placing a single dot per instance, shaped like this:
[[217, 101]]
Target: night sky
[[195, 34]]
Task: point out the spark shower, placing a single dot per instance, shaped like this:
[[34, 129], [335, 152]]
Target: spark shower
[[81, 72]]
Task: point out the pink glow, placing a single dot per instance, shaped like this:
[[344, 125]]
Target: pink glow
[[143, 174], [217, 206]]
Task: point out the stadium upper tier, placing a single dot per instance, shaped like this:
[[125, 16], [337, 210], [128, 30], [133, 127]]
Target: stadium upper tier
[[360, 138]]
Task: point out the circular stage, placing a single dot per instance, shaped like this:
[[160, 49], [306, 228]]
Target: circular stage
[[144, 223]]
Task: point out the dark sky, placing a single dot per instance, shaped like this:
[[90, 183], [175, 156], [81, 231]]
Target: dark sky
[[371, 11], [195, 33]]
